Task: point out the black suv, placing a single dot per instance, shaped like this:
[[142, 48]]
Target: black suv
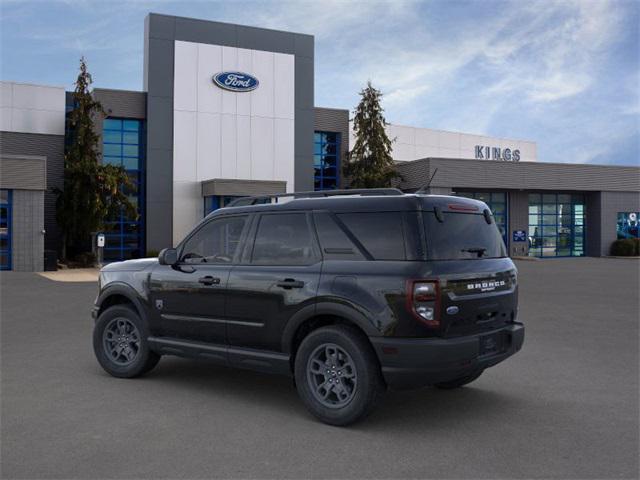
[[350, 293]]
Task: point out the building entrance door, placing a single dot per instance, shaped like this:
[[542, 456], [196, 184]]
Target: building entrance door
[[5, 229], [556, 224]]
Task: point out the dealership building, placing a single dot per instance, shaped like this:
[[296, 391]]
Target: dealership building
[[228, 111]]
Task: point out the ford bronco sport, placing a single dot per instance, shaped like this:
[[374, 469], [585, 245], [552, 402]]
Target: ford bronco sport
[[349, 292]]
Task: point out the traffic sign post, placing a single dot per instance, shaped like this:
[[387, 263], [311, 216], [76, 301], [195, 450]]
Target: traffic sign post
[[100, 240]]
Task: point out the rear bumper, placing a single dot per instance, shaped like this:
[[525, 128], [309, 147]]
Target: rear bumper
[[413, 363]]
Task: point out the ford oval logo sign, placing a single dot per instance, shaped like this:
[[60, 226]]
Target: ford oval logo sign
[[236, 81]]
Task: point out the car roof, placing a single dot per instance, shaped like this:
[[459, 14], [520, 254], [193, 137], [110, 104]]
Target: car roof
[[368, 203]]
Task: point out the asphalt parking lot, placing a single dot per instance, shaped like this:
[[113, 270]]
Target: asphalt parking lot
[[564, 407]]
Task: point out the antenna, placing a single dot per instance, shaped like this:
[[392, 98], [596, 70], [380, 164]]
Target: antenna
[[426, 187]]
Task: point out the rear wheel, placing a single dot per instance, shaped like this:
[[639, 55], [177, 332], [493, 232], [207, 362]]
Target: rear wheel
[[120, 343], [337, 375], [459, 382]]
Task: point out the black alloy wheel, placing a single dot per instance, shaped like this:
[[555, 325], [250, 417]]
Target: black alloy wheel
[[121, 341], [337, 374], [331, 374]]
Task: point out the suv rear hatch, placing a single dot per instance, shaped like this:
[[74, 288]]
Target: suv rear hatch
[[477, 282]]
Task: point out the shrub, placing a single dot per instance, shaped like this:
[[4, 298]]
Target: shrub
[[628, 247]]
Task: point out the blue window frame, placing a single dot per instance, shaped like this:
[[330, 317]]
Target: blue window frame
[[556, 225], [211, 203], [326, 160], [123, 145], [497, 202], [5, 229], [215, 202]]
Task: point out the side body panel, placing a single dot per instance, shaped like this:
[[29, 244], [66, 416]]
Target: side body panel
[[375, 291], [183, 307], [258, 308]]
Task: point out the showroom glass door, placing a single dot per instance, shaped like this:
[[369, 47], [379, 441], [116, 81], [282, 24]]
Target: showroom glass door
[[556, 225], [5, 229]]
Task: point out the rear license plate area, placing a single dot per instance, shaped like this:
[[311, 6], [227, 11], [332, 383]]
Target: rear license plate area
[[491, 344]]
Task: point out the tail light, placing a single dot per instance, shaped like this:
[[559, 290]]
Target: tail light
[[462, 207], [423, 301]]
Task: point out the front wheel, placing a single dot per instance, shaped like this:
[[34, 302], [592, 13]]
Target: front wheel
[[120, 343], [459, 382], [337, 375]]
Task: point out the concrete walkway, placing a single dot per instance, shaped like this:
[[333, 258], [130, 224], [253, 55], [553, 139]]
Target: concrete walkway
[[72, 275]]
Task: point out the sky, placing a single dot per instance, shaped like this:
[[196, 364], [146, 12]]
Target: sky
[[565, 74]]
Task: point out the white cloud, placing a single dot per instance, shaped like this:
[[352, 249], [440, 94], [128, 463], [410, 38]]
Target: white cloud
[[458, 66]]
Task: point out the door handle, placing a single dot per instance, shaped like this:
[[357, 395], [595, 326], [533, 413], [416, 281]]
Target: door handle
[[289, 283], [209, 280]]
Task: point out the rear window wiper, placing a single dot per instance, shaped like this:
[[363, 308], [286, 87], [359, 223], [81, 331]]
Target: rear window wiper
[[479, 250]]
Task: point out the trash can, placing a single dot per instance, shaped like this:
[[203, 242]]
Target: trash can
[[50, 261]]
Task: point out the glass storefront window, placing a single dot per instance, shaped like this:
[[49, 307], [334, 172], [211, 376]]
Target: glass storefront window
[[326, 160], [123, 145], [556, 225]]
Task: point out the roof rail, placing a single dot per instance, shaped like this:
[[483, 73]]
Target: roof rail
[[259, 199]]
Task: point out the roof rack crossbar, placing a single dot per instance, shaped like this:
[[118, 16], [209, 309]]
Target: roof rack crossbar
[[254, 200]]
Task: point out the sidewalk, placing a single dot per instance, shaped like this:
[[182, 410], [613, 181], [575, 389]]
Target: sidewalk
[[72, 275]]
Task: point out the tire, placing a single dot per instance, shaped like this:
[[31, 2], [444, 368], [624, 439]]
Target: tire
[[132, 357], [459, 382], [342, 355]]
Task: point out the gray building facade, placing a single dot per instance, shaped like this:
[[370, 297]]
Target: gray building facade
[[23, 184], [51, 148], [162, 33], [32, 133]]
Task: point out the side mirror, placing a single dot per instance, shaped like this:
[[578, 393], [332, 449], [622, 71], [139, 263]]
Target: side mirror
[[168, 256]]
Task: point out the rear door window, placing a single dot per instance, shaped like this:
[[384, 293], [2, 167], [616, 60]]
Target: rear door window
[[462, 236], [284, 239], [334, 241]]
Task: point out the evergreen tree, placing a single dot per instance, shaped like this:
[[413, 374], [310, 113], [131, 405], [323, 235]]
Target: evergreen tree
[[369, 163], [92, 191]]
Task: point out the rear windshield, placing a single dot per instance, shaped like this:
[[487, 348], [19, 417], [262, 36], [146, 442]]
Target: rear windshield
[[462, 236]]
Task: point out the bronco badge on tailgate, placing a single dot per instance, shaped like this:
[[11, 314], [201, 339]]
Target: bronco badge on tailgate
[[486, 286]]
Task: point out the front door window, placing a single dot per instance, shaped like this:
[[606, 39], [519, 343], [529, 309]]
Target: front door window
[[216, 242]]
